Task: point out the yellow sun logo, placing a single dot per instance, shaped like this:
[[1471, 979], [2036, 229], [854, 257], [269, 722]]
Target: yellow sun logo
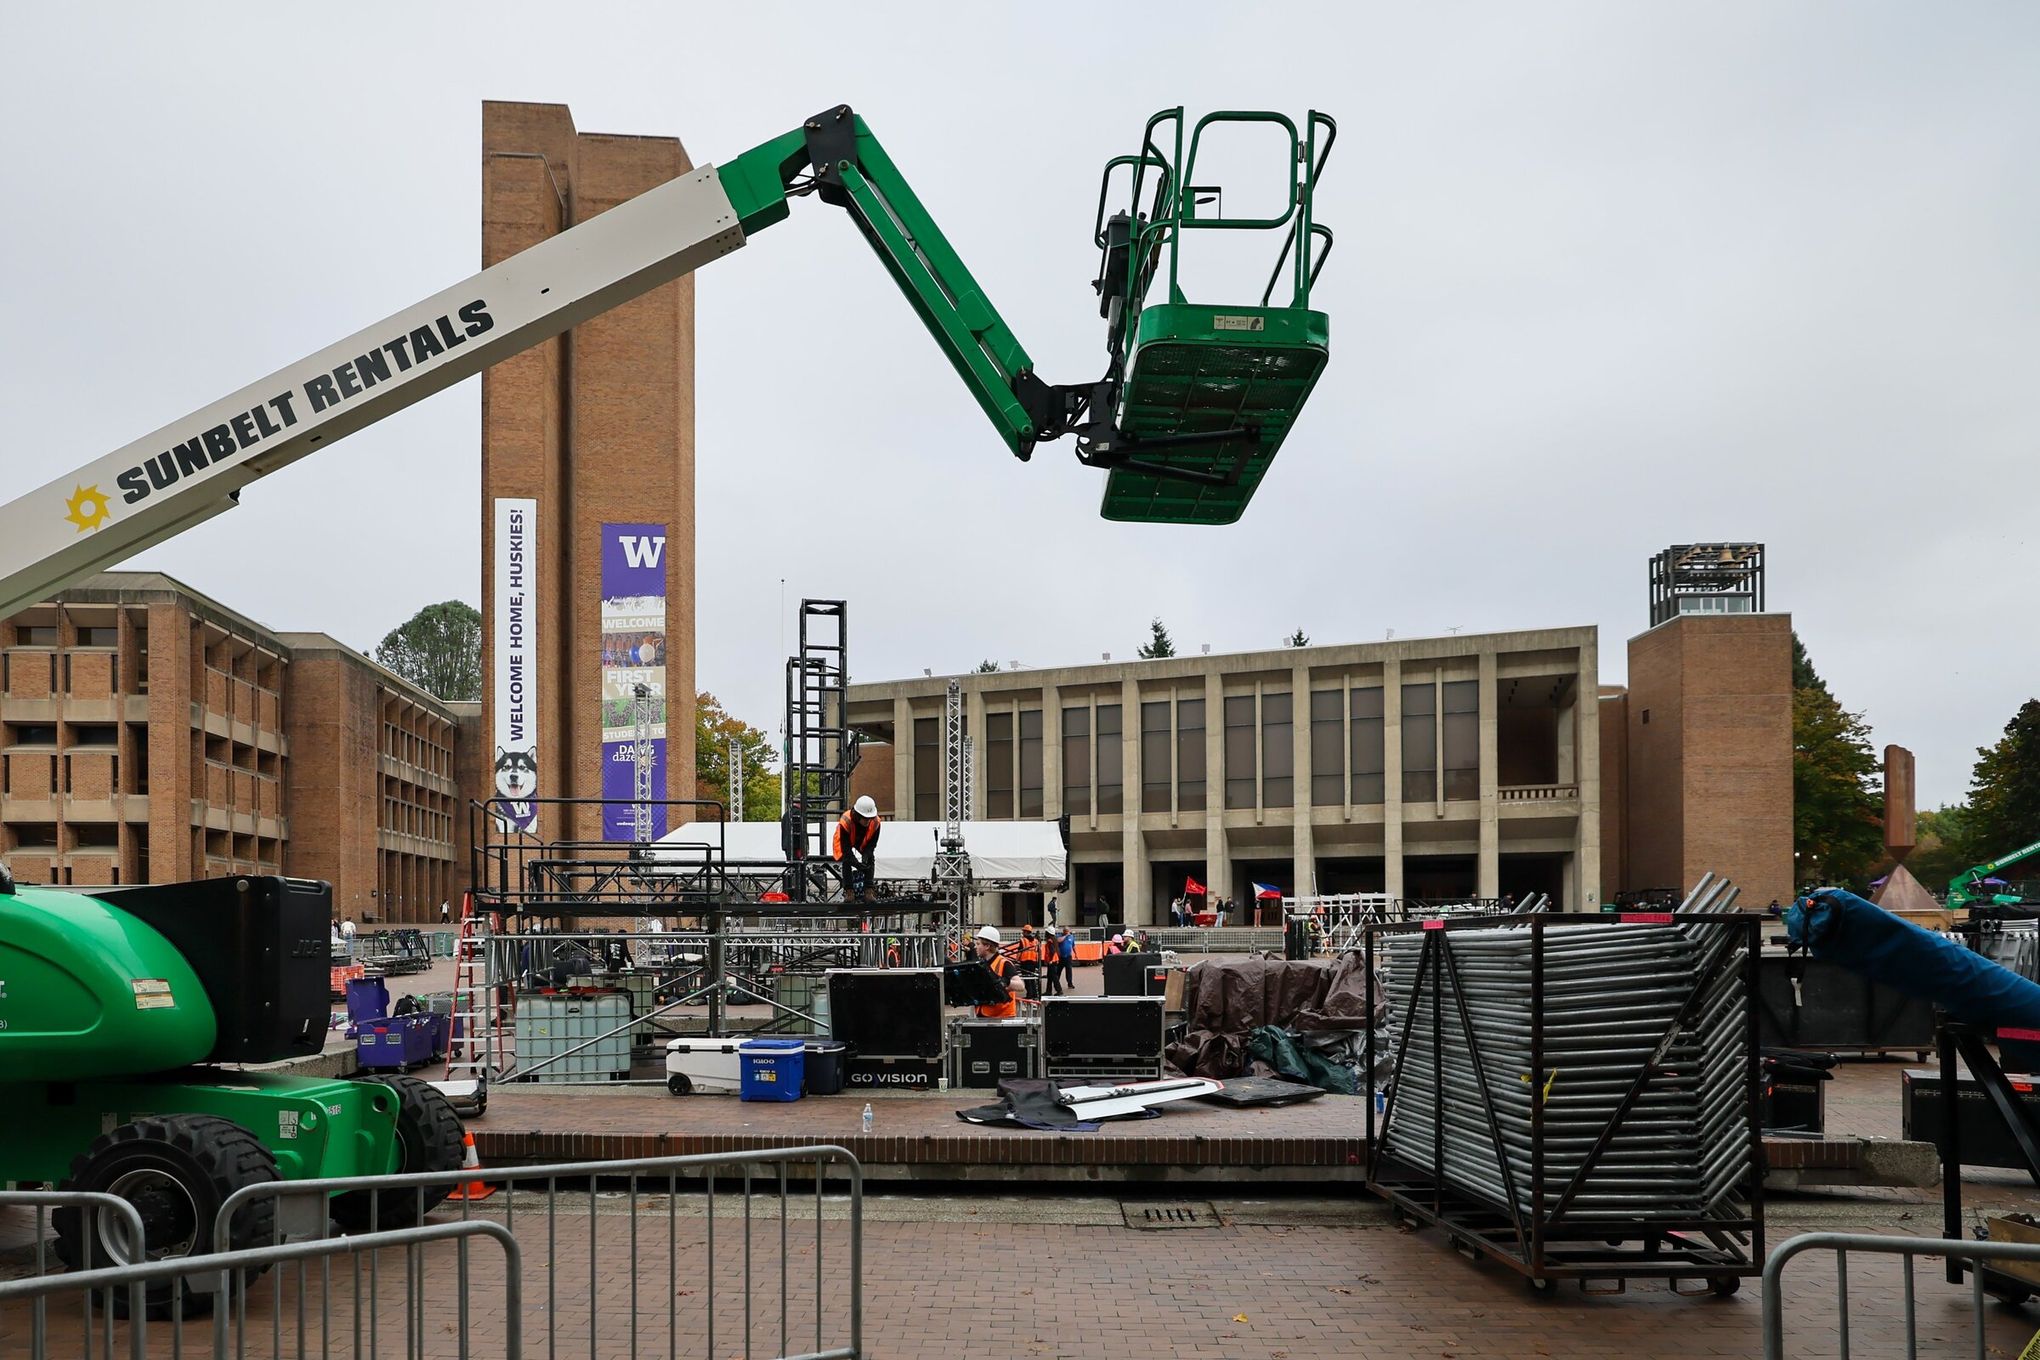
[[87, 508]]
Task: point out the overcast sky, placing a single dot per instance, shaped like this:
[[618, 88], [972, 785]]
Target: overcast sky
[[1608, 276]]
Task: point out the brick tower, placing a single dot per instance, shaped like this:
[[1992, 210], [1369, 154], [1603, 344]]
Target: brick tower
[[587, 492]]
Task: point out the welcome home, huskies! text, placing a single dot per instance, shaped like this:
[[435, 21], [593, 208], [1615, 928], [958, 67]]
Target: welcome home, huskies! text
[[335, 388]]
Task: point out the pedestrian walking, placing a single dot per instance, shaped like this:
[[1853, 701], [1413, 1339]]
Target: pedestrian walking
[[1066, 960]]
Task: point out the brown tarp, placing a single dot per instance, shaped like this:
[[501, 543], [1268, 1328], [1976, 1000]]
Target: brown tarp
[[1226, 1001]]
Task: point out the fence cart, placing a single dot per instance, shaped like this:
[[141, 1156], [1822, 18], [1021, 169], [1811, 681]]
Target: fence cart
[[1574, 1095]]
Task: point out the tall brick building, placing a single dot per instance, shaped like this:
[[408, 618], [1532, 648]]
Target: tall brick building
[[593, 429], [1697, 757], [150, 734]]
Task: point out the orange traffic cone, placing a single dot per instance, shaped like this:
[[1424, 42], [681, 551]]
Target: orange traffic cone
[[476, 1189]]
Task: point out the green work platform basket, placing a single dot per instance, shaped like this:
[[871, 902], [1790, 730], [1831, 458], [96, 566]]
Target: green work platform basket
[[1208, 392]]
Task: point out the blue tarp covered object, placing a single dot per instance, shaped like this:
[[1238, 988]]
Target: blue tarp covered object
[[1842, 928]]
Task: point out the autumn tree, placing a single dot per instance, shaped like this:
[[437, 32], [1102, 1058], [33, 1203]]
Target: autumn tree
[[714, 727], [439, 650]]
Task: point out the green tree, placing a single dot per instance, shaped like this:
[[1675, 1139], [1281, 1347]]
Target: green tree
[[2004, 788], [1803, 674], [1946, 836], [1158, 643], [987, 667], [439, 650], [1299, 638], [1837, 815], [713, 729]]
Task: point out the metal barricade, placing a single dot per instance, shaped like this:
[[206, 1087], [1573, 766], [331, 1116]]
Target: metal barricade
[[139, 1331], [1974, 1256], [615, 1230], [85, 1201]]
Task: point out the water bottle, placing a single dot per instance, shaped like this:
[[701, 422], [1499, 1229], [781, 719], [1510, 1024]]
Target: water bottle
[[867, 1116]]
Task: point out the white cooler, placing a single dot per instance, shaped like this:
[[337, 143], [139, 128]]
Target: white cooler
[[703, 1065]]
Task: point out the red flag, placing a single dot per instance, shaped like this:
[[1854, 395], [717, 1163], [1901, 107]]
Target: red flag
[[1192, 888]]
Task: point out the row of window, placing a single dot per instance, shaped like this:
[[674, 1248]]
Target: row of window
[[52, 672], [45, 635], [1440, 729], [33, 836]]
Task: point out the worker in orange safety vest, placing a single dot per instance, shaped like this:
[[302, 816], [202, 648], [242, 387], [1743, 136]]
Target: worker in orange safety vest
[[856, 847], [988, 952]]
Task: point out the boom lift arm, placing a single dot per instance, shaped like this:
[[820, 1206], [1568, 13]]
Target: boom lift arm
[[1965, 890], [1207, 413]]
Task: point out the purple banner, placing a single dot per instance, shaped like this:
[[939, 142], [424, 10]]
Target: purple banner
[[633, 654]]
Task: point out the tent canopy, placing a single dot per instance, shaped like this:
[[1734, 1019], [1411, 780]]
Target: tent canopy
[[1005, 852]]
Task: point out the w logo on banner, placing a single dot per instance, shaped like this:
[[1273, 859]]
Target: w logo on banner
[[642, 550]]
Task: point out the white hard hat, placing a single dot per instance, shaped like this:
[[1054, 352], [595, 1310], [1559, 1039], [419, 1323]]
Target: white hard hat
[[990, 934], [864, 807]]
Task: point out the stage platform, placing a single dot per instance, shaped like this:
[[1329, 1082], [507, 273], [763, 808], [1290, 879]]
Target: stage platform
[[917, 1137]]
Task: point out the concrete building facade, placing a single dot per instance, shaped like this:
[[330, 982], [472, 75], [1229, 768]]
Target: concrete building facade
[[597, 427], [151, 734], [1430, 768]]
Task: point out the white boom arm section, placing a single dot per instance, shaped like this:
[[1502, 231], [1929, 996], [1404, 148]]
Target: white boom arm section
[[194, 468]]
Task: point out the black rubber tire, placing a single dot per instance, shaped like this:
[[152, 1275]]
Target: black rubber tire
[[204, 1156], [1726, 1287], [679, 1084], [429, 1138]]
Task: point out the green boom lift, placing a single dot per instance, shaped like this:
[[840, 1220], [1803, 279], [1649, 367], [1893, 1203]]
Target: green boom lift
[[119, 1011], [1967, 888], [129, 1016]]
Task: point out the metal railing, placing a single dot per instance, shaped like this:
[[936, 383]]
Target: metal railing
[[311, 1308], [534, 1199], [85, 1201], [1975, 1255]]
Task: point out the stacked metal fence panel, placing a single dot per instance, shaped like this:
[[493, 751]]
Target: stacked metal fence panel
[[1576, 1074]]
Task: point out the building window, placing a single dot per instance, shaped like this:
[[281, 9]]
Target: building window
[[928, 773], [98, 635], [1327, 747], [1239, 751], [95, 835], [35, 734], [1368, 758], [1462, 739], [1111, 794], [94, 734], [1154, 756], [1420, 742], [1076, 761], [35, 635], [1278, 753], [35, 836], [1030, 762], [1190, 755], [999, 765]]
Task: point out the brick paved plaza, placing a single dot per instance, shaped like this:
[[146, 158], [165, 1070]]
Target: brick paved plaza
[[1061, 1278]]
